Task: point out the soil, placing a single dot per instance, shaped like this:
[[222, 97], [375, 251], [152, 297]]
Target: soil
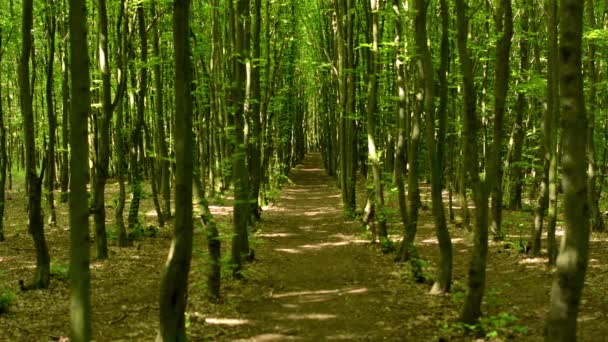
[[316, 277]]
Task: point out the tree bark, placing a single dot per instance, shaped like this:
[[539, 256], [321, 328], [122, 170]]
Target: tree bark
[[103, 150], [426, 88], [503, 19], [163, 154], [240, 241], [174, 283], [477, 268], [34, 183], [51, 24], [372, 109], [3, 154], [80, 278], [573, 256]]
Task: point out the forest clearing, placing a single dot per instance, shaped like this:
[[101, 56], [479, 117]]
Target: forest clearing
[[261, 170]]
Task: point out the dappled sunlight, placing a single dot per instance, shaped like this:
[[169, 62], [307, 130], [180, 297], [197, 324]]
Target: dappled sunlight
[[345, 337], [220, 210], [321, 211], [273, 235], [313, 316], [346, 290], [289, 250], [290, 306], [227, 321], [313, 228], [326, 244], [350, 238], [533, 261], [151, 213], [311, 170], [434, 241], [269, 337], [97, 265]]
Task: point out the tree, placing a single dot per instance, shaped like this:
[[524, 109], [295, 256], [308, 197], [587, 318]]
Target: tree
[[426, 88], [477, 268], [104, 122], [3, 155], [51, 24], [174, 283], [80, 278], [372, 109], [573, 254], [240, 241], [33, 182], [503, 19]]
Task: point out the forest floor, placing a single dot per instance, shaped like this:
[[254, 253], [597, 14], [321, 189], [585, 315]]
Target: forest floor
[[316, 277]]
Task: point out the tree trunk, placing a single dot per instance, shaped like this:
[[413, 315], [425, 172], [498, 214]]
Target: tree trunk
[[515, 170], [597, 222], [503, 19], [255, 138], [372, 108], [103, 150], [137, 157], [33, 182], [3, 155], [163, 154], [80, 278], [573, 256], [50, 111], [477, 268], [552, 112], [240, 241], [426, 87], [174, 283], [65, 117]]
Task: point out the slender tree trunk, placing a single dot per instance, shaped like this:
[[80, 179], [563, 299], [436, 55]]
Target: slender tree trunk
[[163, 155], [477, 268], [80, 278], [573, 256], [597, 222], [240, 241], [174, 283], [552, 111], [103, 150], [34, 183], [65, 117], [503, 19], [121, 30], [254, 113], [372, 108], [137, 158], [3, 155], [515, 170], [50, 109], [408, 248], [427, 84]]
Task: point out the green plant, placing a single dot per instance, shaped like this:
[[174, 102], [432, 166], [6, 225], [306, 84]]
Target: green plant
[[491, 327], [6, 299], [60, 271]]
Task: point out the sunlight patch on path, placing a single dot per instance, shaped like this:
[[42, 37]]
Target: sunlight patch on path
[[313, 316], [227, 321], [346, 290]]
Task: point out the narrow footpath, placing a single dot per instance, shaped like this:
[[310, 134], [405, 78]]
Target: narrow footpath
[[322, 279]]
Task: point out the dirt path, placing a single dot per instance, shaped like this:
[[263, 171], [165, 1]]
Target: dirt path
[[322, 282]]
